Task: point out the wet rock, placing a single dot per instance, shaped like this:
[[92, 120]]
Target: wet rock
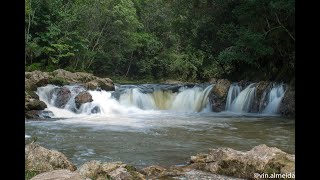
[[218, 95], [95, 110], [81, 98], [37, 114], [63, 95], [34, 104], [260, 159], [38, 158], [260, 96], [63, 174], [287, 105]]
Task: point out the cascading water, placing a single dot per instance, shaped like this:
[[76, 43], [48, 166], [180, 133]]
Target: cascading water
[[233, 92], [274, 99], [243, 102], [186, 100], [194, 99], [61, 100]]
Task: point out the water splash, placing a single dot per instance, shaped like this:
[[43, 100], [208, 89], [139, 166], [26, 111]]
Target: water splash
[[274, 99], [244, 101], [233, 92], [131, 100]]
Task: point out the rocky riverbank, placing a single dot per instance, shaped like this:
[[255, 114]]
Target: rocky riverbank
[[221, 163], [34, 108], [219, 93]]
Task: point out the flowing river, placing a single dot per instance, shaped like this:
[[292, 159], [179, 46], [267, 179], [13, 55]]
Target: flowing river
[[158, 125]]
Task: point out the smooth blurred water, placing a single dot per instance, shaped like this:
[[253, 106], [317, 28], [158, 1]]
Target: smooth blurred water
[[160, 137]]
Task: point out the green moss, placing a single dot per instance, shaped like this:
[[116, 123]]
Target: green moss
[[28, 174], [133, 172], [57, 81], [237, 169]]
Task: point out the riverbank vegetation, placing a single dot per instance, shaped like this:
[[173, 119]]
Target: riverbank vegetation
[[156, 39]]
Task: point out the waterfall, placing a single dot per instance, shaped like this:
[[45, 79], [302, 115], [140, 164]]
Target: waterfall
[[133, 97], [137, 98], [243, 102], [274, 99], [187, 99], [194, 99], [233, 92], [61, 100]]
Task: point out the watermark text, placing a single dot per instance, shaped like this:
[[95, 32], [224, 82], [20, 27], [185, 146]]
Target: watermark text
[[273, 176]]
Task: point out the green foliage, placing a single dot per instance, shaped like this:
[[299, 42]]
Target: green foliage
[[158, 39], [57, 81], [34, 66], [28, 174]]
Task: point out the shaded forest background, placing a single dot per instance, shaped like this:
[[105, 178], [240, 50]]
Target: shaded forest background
[[189, 40]]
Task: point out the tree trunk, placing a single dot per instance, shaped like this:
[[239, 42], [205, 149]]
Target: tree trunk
[[129, 64]]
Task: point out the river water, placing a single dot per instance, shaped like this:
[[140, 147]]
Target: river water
[[162, 138], [143, 137]]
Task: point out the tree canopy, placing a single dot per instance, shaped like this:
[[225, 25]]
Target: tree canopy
[[191, 40]]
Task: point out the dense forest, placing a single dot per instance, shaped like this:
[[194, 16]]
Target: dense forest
[[190, 40]]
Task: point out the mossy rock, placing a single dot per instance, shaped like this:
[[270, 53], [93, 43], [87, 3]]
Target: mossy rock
[[28, 174], [57, 81]]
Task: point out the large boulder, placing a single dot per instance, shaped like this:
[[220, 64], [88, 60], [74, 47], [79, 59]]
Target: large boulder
[[62, 174], [66, 75], [113, 170], [61, 77], [218, 95], [81, 98], [35, 79], [287, 105], [100, 83], [260, 159], [40, 159], [34, 104], [63, 95]]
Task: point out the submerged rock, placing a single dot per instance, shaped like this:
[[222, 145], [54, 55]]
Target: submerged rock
[[63, 174], [81, 98], [38, 158], [36, 114]]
